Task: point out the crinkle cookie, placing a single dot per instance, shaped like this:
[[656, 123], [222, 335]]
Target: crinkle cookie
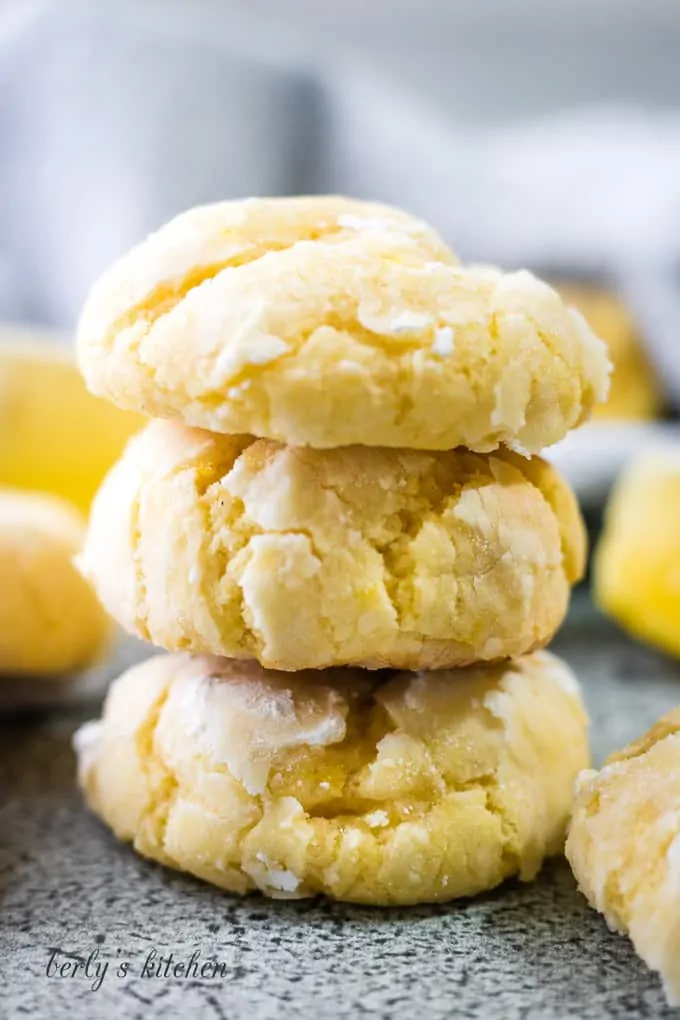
[[624, 846], [305, 558], [635, 391], [326, 322], [51, 621], [369, 787]]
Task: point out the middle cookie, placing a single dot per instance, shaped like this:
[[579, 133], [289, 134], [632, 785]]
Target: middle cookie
[[304, 558]]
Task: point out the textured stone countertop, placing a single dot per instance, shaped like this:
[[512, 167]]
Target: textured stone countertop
[[529, 951]]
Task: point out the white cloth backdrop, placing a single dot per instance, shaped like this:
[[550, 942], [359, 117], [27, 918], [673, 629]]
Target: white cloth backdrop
[[112, 120]]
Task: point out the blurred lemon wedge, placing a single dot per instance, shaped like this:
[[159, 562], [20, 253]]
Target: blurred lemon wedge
[[54, 435], [637, 561]]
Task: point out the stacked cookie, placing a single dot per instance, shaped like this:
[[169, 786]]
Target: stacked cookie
[[339, 486]]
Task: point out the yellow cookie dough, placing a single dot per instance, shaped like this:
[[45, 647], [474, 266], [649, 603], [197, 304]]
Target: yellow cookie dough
[[327, 322], [624, 846], [637, 562], [634, 392], [370, 787], [50, 618], [305, 558]]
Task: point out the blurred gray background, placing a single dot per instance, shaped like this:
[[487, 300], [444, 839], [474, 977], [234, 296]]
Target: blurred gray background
[[534, 133]]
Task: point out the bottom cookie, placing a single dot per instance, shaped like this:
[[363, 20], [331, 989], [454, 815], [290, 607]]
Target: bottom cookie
[[624, 846], [379, 788]]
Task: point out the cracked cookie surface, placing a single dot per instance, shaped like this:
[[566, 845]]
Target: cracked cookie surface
[[50, 618], [330, 322], [624, 845], [305, 558], [383, 788]]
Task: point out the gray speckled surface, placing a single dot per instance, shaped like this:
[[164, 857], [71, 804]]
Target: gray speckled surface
[[530, 951]]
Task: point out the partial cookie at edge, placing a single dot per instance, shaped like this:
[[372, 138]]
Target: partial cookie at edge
[[51, 621], [624, 846]]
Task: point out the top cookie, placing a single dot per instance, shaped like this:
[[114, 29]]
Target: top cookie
[[328, 322]]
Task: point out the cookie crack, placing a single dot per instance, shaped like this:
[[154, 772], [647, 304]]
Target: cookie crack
[[165, 296], [161, 791], [141, 615]]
